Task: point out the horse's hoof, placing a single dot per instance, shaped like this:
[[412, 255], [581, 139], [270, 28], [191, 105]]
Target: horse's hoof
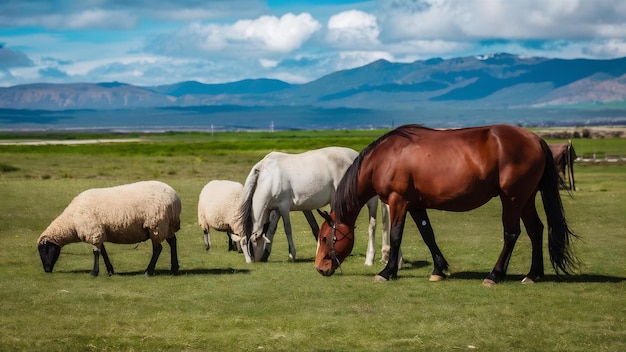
[[436, 278], [527, 281], [489, 283], [379, 278]]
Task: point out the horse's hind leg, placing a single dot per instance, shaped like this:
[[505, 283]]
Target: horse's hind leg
[[312, 222], [269, 229], [511, 222], [428, 235], [534, 227]]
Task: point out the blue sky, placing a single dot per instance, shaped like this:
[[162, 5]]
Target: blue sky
[[147, 42]]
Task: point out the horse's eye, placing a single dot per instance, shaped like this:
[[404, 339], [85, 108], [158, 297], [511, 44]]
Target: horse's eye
[[324, 239]]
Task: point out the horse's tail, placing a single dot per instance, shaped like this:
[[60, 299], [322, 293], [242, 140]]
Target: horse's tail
[[559, 233], [245, 210], [571, 156]]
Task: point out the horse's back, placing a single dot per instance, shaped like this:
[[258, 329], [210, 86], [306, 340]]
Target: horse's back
[[458, 169], [307, 180], [328, 163]]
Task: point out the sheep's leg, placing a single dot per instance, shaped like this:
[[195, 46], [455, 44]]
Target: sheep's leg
[[207, 239], [232, 245], [174, 254], [96, 262], [107, 262], [156, 251]]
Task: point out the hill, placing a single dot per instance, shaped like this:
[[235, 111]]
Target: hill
[[500, 80]]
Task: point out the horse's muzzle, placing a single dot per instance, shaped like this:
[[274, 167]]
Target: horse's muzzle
[[327, 272]]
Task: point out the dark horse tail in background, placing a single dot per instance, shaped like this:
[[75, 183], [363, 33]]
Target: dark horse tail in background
[[413, 168]]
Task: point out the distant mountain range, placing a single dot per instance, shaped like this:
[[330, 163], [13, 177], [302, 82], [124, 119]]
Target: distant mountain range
[[494, 81]]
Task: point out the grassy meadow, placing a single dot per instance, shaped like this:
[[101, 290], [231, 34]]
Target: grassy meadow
[[220, 303]]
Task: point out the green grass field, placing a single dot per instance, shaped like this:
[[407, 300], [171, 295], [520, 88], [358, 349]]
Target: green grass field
[[220, 303]]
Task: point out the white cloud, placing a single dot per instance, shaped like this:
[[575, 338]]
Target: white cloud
[[99, 19], [607, 49], [353, 29], [352, 59], [99, 14], [268, 63], [427, 48], [244, 37], [505, 19], [271, 33], [87, 19]]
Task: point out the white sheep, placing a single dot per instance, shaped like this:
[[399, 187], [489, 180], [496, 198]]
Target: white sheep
[[124, 214], [218, 208]]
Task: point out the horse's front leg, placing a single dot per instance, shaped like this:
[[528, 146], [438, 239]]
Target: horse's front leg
[[428, 235], [287, 224], [269, 230], [312, 223], [372, 207], [384, 211], [398, 218]]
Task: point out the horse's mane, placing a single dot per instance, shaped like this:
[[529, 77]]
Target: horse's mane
[[346, 200], [245, 210]]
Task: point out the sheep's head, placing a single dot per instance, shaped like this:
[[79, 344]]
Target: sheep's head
[[49, 253]]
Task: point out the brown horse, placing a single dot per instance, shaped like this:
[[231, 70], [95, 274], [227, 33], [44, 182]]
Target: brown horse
[[413, 168], [564, 156]]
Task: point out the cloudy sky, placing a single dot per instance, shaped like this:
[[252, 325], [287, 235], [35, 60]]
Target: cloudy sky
[[146, 42]]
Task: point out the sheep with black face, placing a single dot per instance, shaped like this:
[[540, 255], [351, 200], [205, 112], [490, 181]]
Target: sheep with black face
[[123, 214]]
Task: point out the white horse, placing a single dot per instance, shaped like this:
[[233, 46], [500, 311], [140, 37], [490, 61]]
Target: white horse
[[281, 183]]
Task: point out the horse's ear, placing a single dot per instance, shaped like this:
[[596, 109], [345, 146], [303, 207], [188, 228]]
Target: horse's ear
[[325, 215]]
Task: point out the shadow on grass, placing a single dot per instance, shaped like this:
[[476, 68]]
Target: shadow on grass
[[470, 275], [215, 271], [414, 264]]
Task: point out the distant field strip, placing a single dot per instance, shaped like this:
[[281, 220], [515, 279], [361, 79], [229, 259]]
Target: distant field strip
[[71, 142]]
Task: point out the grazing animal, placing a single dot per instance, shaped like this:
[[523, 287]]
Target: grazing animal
[[218, 208], [564, 156], [413, 168], [282, 183], [124, 214]]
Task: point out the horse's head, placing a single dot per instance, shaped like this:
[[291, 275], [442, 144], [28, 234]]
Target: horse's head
[[49, 253], [254, 248], [335, 242]]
